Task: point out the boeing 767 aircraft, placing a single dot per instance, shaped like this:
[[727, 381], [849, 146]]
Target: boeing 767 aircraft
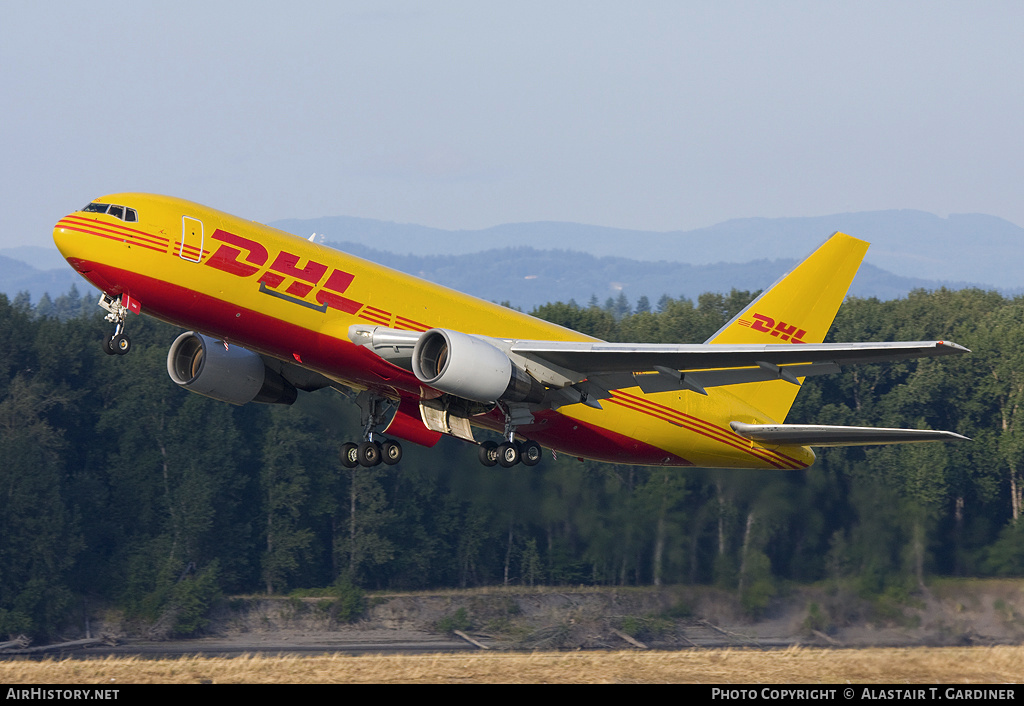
[[270, 313]]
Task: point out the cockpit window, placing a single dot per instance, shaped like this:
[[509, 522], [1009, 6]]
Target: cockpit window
[[125, 214]]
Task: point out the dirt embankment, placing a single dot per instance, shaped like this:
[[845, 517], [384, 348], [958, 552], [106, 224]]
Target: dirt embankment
[[987, 612]]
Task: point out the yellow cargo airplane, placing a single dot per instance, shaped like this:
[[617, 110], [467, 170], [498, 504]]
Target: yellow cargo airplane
[[271, 313]]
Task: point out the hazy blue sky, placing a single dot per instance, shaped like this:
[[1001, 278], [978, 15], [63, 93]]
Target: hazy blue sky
[[653, 115]]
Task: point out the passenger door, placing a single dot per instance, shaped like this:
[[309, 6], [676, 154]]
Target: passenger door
[[191, 244]]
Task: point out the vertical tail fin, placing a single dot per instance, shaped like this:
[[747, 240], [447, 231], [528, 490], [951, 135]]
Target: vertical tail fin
[[799, 308]]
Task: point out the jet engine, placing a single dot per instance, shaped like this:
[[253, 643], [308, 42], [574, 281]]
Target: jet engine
[[472, 368], [232, 374]]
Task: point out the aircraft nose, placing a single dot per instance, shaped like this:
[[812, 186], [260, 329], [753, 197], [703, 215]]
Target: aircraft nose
[[62, 237], [68, 240]]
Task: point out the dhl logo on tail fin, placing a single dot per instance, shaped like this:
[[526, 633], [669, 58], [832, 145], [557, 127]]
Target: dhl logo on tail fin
[[799, 308], [785, 332]]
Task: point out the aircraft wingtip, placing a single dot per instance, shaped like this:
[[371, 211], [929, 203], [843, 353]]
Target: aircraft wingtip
[[956, 347]]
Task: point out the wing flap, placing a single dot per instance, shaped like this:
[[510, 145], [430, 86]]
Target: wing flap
[[660, 382], [824, 435]]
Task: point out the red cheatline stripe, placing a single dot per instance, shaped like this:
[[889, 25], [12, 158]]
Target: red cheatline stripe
[[191, 250], [703, 428], [725, 434], [696, 430], [374, 318], [404, 323], [120, 233], [377, 316], [796, 462], [119, 238], [116, 228], [689, 418]]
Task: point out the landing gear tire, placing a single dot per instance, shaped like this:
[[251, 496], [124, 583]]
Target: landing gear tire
[[349, 455], [508, 454], [108, 346], [121, 344], [530, 453], [488, 453], [369, 454], [391, 452]]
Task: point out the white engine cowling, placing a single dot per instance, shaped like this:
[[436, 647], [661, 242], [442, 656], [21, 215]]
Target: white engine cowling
[[203, 365], [469, 367]]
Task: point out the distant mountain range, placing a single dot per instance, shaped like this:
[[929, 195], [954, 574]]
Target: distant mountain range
[[914, 244], [528, 264], [37, 271], [528, 278]]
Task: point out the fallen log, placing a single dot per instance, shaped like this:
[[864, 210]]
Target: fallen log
[[68, 645], [630, 640], [470, 640], [20, 642]]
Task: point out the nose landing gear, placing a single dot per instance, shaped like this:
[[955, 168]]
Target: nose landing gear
[[119, 343]]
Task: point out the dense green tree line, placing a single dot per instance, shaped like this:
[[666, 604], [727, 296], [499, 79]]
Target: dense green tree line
[[118, 487]]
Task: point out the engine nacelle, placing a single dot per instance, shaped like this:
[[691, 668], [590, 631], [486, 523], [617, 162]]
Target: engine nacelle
[[470, 367], [203, 365]]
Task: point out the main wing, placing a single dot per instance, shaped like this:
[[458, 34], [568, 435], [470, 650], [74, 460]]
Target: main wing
[[660, 368], [587, 372], [595, 368]]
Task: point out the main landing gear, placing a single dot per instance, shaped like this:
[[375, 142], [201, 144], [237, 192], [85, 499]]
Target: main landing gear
[[119, 343], [373, 448], [510, 452]]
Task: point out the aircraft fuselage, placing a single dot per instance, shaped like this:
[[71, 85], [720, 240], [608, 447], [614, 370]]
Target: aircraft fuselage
[[289, 298]]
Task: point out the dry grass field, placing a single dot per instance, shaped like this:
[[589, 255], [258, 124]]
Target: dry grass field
[[946, 665]]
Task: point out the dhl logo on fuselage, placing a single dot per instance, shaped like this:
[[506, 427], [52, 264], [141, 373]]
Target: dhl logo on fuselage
[[781, 329], [244, 257], [285, 265]]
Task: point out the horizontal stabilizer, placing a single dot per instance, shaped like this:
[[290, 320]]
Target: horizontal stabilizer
[[823, 435]]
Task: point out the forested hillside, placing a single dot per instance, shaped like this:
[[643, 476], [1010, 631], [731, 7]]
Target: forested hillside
[[118, 487]]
